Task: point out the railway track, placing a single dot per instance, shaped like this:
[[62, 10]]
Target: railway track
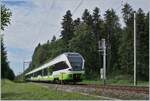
[[134, 89], [144, 90], [111, 91]]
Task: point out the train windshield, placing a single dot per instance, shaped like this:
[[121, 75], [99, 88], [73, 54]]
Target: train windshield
[[76, 63]]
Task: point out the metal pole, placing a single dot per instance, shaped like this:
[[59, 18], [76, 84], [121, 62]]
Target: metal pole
[[104, 60], [99, 57], [23, 70], [134, 49], [24, 62], [23, 66], [149, 49]]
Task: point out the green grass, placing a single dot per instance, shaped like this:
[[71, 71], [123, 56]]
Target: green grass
[[116, 79], [29, 91], [116, 82]]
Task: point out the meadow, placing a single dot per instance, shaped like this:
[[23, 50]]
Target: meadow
[[30, 91]]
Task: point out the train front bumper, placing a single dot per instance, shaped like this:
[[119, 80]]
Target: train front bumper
[[72, 76]]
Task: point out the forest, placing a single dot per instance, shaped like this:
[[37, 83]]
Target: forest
[[82, 35]]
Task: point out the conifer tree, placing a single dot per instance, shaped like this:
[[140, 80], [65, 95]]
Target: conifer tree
[[142, 45], [5, 17], [126, 46], [53, 39], [67, 27], [112, 32], [6, 72], [97, 24], [87, 18]]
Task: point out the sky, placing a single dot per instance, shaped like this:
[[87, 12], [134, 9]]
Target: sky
[[36, 21]]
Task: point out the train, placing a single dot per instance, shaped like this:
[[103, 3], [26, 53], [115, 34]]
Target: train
[[67, 67]]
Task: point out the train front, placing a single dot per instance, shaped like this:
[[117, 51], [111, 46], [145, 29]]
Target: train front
[[76, 70]]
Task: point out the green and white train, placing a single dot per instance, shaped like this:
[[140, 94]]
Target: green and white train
[[65, 67]]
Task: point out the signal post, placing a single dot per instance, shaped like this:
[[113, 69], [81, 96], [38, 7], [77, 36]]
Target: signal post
[[102, 48]]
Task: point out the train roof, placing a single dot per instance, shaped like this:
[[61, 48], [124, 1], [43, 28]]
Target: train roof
[[61, 57]]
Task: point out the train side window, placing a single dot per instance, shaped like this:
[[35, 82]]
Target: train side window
[[30, 75], [50, 70], [45, 72], [35, 74], [39, 73], [60, 66]]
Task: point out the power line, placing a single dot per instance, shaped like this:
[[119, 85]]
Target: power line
[[80, 3], [119, 6], [52, 5], [75, 9], [40, 29]]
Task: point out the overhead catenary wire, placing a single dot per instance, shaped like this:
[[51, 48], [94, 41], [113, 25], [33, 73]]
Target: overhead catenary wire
[[80, 3], [40, 29], [75, 9], [119, 7]]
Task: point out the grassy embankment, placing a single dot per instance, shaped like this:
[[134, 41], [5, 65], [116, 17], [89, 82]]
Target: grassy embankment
[[29, 91]]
